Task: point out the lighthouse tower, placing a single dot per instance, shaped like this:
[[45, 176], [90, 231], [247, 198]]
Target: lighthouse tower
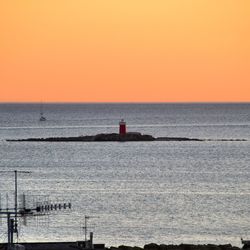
[[122, 127]]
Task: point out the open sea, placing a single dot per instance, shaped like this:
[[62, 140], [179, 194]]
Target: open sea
[[133, 192]]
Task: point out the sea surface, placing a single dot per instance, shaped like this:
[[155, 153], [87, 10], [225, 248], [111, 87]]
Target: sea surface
[[133, 192]]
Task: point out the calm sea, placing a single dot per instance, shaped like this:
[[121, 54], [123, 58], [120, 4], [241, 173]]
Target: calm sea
[[134, 192]]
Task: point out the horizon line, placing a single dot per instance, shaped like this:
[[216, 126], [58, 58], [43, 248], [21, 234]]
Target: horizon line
[[131, 102]]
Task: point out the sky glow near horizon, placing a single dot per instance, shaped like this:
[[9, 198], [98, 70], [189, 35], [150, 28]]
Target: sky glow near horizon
[[125, 51]]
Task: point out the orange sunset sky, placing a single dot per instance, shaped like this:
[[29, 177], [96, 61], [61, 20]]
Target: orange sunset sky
[[125, 50]]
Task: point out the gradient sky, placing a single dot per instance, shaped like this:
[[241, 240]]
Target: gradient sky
[[125, 50]]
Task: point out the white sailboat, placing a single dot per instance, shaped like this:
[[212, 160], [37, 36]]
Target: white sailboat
[[42, 117]]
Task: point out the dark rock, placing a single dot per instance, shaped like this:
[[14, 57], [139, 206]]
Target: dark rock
[[177, 139], [212, 247], [163, 247], [122, 247], [151, 246], [187, 247], [131, 136], [225, 247], [137, 248], [107, 137], [245, 246], [173, 247], [97, 138]]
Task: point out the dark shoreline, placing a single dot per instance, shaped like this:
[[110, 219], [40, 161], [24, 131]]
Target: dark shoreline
[[151, 246], [113, 137]]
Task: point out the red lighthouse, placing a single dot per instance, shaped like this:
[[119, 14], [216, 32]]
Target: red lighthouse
[[122, 128]]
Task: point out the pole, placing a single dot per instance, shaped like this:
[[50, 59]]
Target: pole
[[8, 223], [10, 230], [86, 230], [15, 224]]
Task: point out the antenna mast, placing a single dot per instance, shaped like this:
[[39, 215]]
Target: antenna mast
[[12, 214], [16, 194], [88, 243]]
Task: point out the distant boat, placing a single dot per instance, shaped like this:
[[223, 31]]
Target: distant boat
[[42, 117]]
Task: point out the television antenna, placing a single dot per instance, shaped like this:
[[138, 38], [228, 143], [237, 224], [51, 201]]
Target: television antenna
[[15, 196], [38, 209], [86, 218]]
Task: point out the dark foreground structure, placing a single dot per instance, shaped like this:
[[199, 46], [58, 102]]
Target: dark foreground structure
[[80, 245], [52, 246]]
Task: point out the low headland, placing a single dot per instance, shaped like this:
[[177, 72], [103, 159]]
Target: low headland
[[115, 137]]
